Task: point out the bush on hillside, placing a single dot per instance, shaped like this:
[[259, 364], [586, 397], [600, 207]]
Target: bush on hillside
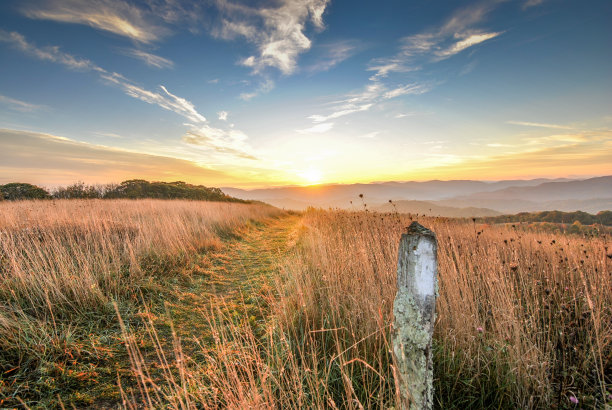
[[16, 191]]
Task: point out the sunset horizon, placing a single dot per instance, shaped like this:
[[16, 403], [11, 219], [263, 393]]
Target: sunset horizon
[[303, 93]]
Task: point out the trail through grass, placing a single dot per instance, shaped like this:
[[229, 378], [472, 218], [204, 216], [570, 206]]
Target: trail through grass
[[228, 284], [85, 356], [234, 278]]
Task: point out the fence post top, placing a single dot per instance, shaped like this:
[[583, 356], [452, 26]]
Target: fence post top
[[416, 228]]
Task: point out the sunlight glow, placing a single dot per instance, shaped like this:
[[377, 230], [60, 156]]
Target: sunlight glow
[[312, 176]]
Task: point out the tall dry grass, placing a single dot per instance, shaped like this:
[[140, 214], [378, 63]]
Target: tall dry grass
[[64, 259], [524, 321]]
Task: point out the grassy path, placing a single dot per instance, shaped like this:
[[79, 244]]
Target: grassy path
[[229, 284], [235, 276], [231, 279]]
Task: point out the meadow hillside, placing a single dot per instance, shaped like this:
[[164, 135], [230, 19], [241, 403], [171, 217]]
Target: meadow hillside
[[152, 304]]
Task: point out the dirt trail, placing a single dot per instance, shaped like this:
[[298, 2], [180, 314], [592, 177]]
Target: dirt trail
[[233, 278]]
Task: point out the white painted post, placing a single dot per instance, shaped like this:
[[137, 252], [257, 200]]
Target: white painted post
[[414, 315]]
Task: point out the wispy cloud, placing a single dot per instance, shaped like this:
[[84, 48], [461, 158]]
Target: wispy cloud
[[218, 140], [278, 32], [265, 86], [109, 134], [471, 40], [318, 128], [222, 115], [413, 89], [370, 135], [41, 158], [412, 114], [539, 124], [454, 36], [342, 110], [373, 94], [48, 53], [333, 54], [532, 3], [457, 34], [18, 105], [146, 23], [164, 99], [150, 59]]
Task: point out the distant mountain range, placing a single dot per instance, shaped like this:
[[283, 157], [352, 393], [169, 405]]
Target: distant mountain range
[[446, 198], [431, 208]]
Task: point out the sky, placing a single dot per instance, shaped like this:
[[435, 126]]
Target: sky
[[269, 93]]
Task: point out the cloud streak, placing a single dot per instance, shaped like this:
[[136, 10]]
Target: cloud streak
[[318, 128], [49, 53], [18, 105], [539, 125], [149, 59], [142, 24], [454, 36], [334, 54], [41, 158], [217, 140]]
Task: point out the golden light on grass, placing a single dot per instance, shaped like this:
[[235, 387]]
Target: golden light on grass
[[303, 315]]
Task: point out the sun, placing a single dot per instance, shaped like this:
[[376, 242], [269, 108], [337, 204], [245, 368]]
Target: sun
[[311, 175]]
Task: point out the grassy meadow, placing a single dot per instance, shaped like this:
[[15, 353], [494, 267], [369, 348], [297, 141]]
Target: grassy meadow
[[178, 304]]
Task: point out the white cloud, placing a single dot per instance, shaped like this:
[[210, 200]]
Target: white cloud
[[373, 94], [414, 89], [219, 141], [469, 41], [455, 35], [164, 99], [539, 124], [370, 135], [222, 115], [343, 110], [278, 32], [18, 105], [318, 128], [149, 58], [413, 114]]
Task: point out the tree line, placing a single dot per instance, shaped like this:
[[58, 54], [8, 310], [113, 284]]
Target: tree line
[[131, 189], [584, 218]]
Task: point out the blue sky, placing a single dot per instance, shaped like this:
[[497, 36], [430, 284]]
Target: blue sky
[[299, 92]]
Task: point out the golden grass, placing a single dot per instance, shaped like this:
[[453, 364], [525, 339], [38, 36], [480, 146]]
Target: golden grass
[[524, 321], [527, 315], [81, 254], [63, 263], [524, 318]]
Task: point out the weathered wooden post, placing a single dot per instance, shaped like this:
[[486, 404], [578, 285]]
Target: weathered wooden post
[[414, 315]]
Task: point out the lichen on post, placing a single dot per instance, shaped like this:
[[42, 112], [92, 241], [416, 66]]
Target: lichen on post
[[414, 316]]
